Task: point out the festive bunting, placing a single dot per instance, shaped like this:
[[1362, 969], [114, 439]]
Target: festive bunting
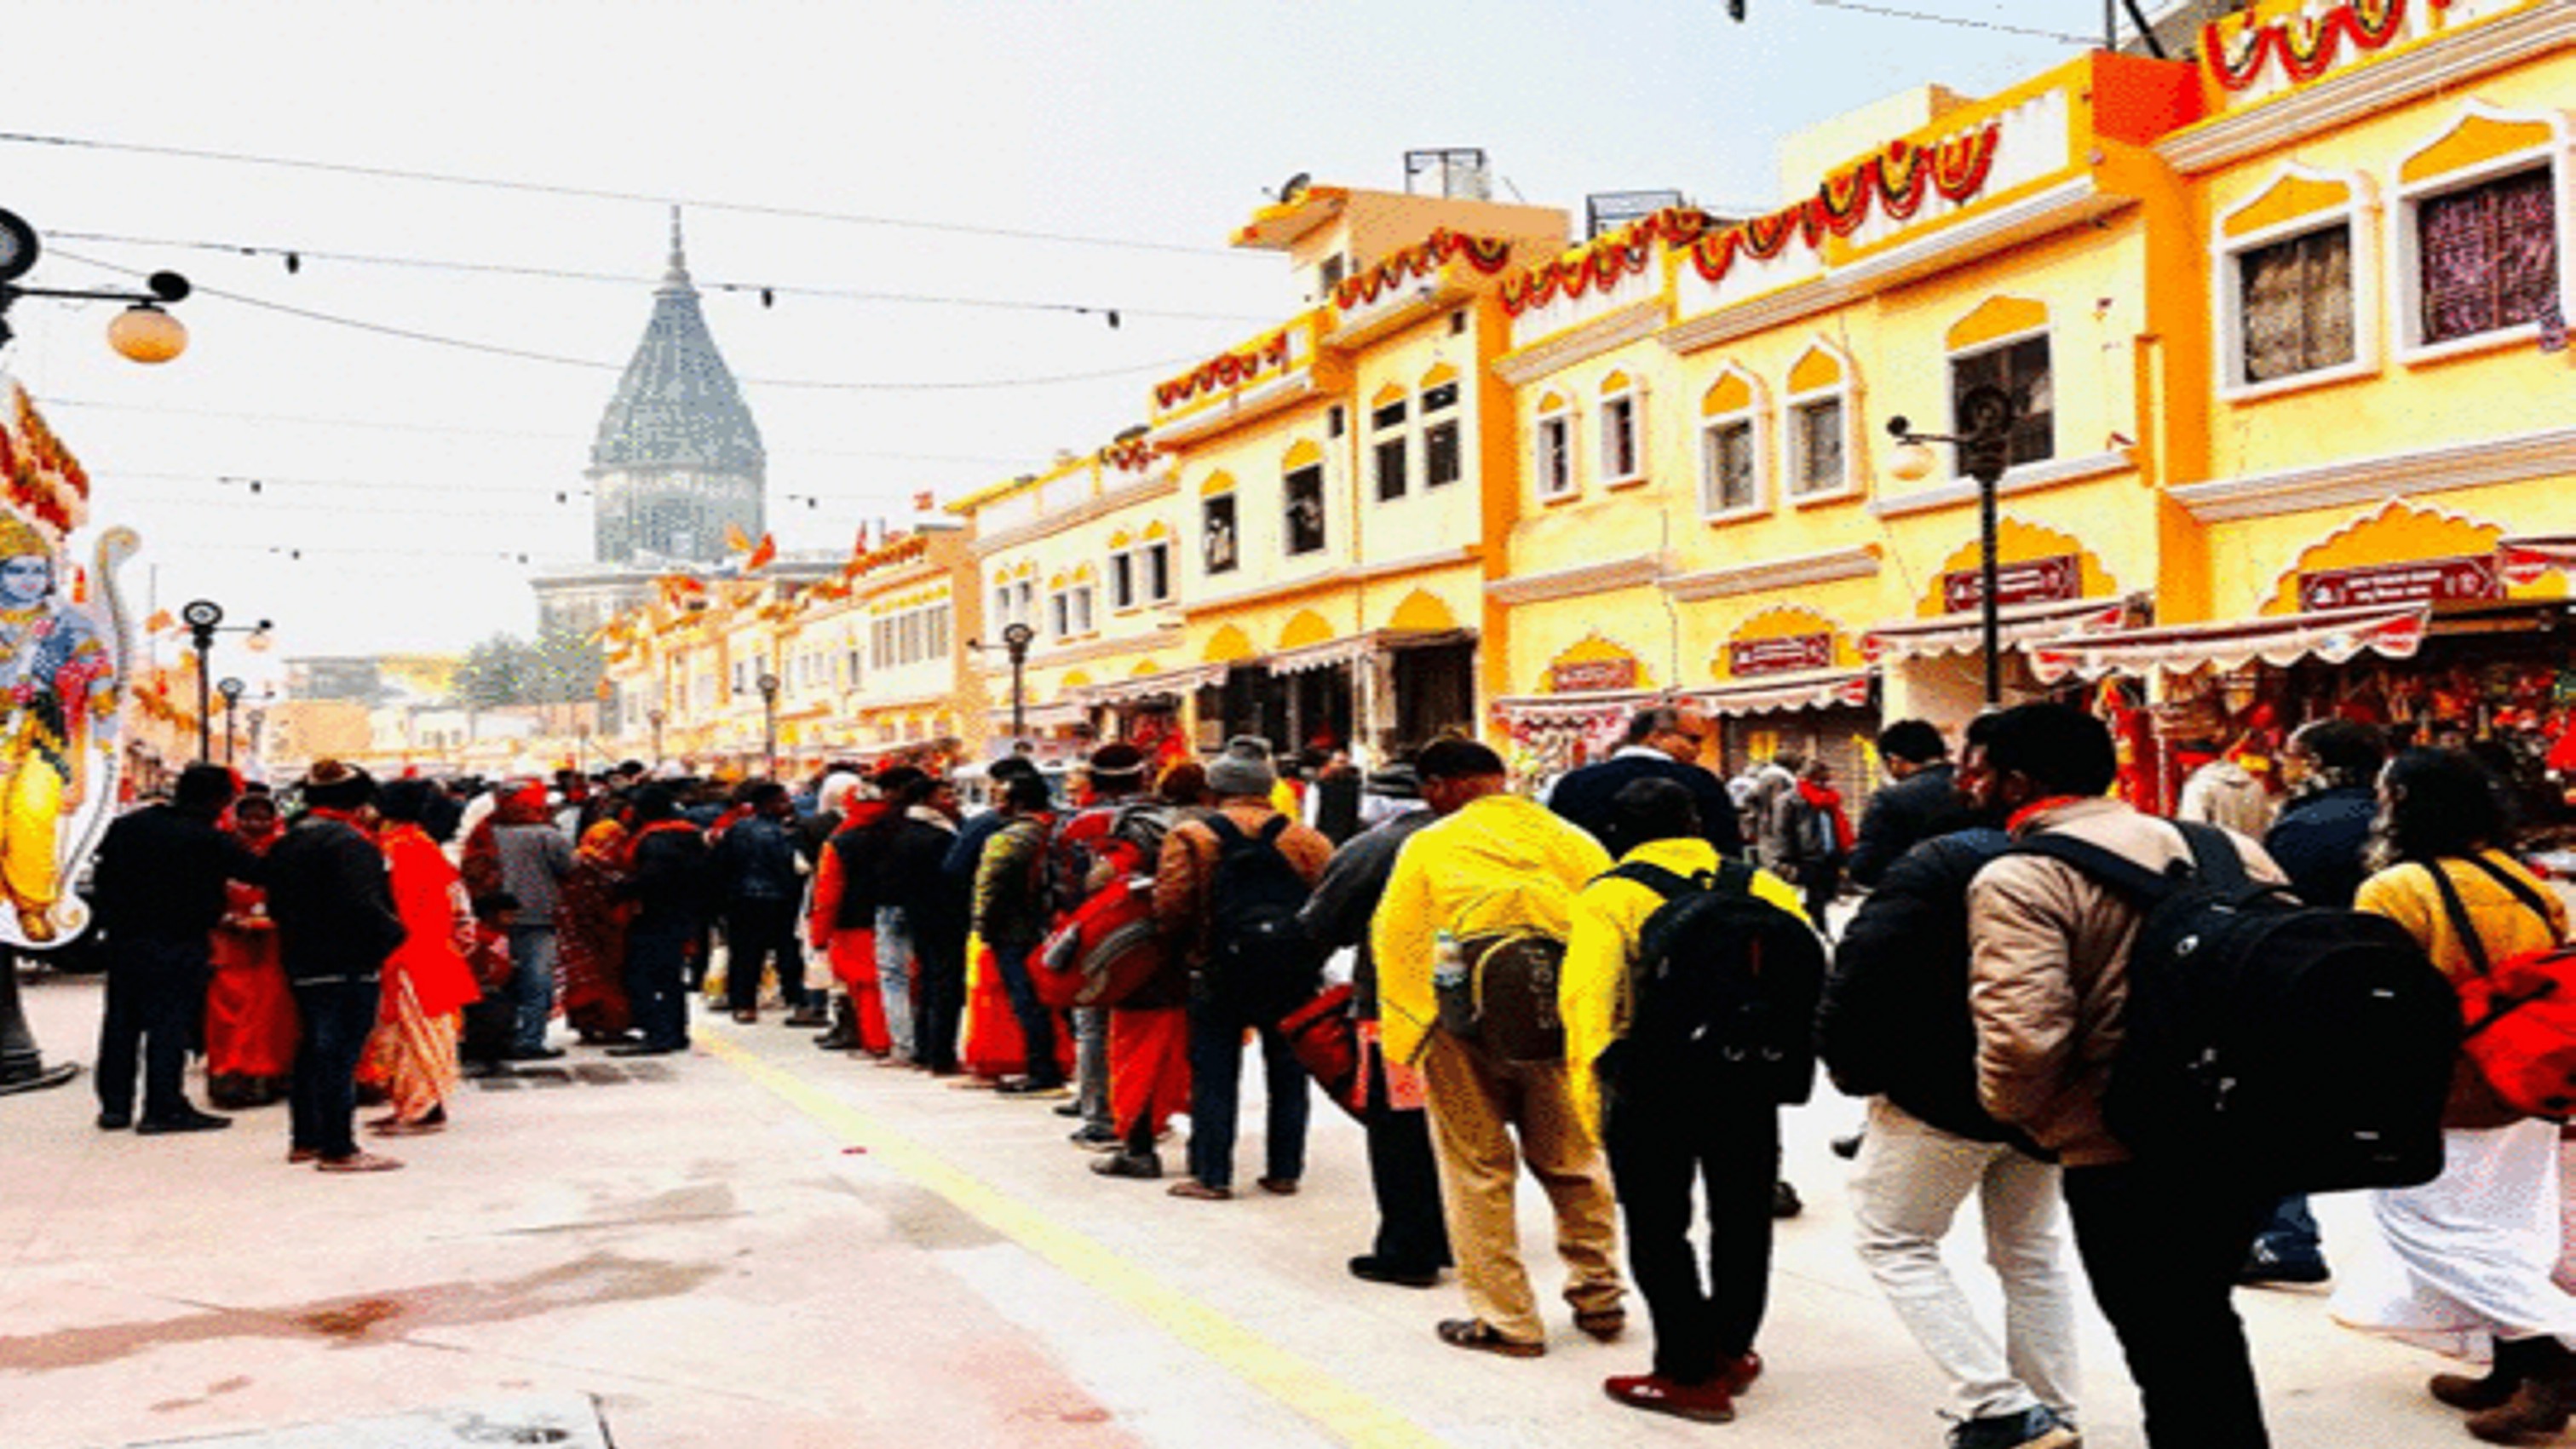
[[1896, 181], [1486, 254], [1226, 370], [2236, 49]]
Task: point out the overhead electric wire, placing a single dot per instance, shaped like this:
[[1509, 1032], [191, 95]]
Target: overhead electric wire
[[1893, 13], [631, 279], [524, 354]]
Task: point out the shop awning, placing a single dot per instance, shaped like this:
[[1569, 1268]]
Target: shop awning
[[1359, 646], [2333, 635], [1170, 684], [1580, 709], [1836, 690], [2527, 557], [2022, 625]]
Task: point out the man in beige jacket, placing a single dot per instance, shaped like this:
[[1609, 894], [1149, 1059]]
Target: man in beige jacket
[[2048, 988]]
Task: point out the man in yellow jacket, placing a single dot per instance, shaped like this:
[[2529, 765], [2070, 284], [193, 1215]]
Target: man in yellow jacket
[[1494, 862], [1684, 1125]]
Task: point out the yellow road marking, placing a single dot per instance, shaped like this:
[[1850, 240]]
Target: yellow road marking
[[1342, 1410]]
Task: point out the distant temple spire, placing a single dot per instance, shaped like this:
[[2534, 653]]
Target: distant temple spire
[[678, 272]]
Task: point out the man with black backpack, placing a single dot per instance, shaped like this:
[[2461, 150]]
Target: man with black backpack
[[1689, 988], [1894, 1027], [1227, 890], [1466, 942], [2161, 1236]]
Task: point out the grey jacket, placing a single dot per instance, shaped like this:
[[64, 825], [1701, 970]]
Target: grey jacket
[[534, 861]]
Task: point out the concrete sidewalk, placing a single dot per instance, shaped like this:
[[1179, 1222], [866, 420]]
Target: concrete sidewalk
[[759, 1244]]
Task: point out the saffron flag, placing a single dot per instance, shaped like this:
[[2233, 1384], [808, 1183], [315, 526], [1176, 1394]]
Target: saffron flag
[[736, 540], [762, 556], [922, 502]]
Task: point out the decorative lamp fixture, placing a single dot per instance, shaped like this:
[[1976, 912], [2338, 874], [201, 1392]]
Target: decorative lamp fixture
[[141, 333], [146, 334], [1912, 462]]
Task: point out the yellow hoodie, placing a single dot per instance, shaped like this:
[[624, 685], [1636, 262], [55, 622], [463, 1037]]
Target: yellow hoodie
[[1500, 861], [1592, 991]]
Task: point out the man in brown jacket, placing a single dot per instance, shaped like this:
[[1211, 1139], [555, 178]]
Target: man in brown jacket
[[2048, 987], [1242, 779]]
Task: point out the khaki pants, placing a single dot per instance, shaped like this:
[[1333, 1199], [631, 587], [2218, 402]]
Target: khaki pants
[[1476, 1109]]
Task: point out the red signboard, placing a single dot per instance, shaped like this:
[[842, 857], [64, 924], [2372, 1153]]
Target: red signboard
[[1780, 656], [1592, 674], [2030, 581], [2423, 581]]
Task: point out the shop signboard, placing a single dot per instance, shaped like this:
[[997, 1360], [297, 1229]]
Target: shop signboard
[[1583, 676], [2418, 581], [1788, 654], [2028, 581]]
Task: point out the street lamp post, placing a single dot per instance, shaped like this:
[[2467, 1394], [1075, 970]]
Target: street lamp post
[[768, 686], [231, 689], [1986, 415], [1016, 639], [655, 717], [205, 619]]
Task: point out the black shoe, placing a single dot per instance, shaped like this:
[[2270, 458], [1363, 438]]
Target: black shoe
[[1784, 1200], [191, 1120], [1097, 1139], [1032, 1087], [2033, 1428], [1369, 1268], [534, 1054], [1069, 1109], [1130, 1164], [2265, 1263], [641, 1049], [115, 1121]]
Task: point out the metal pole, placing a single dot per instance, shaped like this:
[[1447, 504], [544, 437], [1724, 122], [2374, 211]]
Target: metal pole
[[205, 706], [22, 1066], [1989, 604]]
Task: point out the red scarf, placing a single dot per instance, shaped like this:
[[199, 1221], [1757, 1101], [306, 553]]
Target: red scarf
[[658, 827], [2022, 816]]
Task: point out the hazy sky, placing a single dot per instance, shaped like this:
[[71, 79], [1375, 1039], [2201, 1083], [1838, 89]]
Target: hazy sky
[[414, 475]]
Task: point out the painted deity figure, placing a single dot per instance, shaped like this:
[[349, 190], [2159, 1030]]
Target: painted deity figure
[[57, 694]]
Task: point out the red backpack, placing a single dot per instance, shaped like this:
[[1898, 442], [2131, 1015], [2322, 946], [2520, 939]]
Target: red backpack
[[2518, 1015], [1106, 944]]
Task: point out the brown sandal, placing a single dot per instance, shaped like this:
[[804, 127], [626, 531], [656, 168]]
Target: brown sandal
[[358, 1162], [1193, 1188], [1605, 1324], [1477, 1334]]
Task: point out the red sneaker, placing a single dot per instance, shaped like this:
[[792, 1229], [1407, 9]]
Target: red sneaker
[[1707, 1403]]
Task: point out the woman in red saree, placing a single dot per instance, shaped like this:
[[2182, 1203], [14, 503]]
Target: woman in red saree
[[590, 937], [250, 1013], [427, 985]]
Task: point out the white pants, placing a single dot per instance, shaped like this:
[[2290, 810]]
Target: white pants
[[1905, 1188]]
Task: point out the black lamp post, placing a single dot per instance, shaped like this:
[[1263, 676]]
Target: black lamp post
[[141, 333], [1016, 639], [768, 686], [1986, 415], [231, 689], [205, 619]]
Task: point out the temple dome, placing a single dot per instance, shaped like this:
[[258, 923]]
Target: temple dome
[[677, 405]]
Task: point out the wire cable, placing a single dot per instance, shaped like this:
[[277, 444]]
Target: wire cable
[[1961, 21], [592, 193]]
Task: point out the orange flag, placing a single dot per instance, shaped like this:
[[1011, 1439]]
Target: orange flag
[[735, 539], [763, 555], [159, 622]]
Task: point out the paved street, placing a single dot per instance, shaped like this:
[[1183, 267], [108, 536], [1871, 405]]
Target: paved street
[[757, 1244]]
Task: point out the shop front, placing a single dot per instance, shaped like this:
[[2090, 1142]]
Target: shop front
[[1790, 679], [1592, 690]]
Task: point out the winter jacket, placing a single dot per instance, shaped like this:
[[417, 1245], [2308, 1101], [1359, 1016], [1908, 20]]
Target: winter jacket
[[668, 880], [1499, 861], [913, 873], [1917, 808], [1185, 876], [1584, 796], [756, 859], [534, 860], [2405, 893], [161, 874], [2224, 792], [1608, 917], [1337, 915], [2318, 839], [1010, 908], [334, 907], [1765, 810], [849, 879], [1894, 1020], [2048, 975]]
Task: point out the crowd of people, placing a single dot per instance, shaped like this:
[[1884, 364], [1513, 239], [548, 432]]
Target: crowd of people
[[1616, 984]]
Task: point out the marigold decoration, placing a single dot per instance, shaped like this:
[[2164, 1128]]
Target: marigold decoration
[[1958, 168], [1130, 455], [1605, 261], [2236, 51], [1225, 370], [1486, 254]]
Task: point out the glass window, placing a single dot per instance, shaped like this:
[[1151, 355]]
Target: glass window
[[2294, 300], [1082, 608], [1727, 479], [1060, 604], [1555, 460], [1303, 496], [1816, 436], [1219, 542], [1440, 454], [1619, 436], [1024, 606], [1158, 572], [1390, 454], [2020, 369], [1389, 416], [1122, 580], [2489, 255]]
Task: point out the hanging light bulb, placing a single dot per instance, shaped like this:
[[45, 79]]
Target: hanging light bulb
[[144, 333], [294, 264]]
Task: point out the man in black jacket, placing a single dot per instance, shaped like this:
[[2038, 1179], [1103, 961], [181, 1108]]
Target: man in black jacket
[[161, 873], [1895, 1025], [757, 862], [334, 909], [1664, 742], [668, 884], [913, 871], [1923, 802]]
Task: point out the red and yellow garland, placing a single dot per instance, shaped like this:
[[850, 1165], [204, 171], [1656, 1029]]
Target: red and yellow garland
[[2236, 53], [1957, 168], [1605, 261], [1225, 370], [1486, 254], [1130, 455]]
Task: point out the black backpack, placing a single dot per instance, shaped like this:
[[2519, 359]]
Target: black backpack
[[1720, 978], [1260, 961], [2299, 1048]]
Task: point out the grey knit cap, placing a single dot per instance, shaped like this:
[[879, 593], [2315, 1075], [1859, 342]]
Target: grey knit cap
[[1243, 769]]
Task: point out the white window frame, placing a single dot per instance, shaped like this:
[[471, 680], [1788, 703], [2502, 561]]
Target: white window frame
[[1950, 391], [1560, 419], [2405, 288], [1454, 416], [2358, 215], [1145, 551], [1793, 433], [1632, 397], [1123, 560], [1755, 412]]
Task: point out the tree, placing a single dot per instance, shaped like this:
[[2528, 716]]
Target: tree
[[562, 667]]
